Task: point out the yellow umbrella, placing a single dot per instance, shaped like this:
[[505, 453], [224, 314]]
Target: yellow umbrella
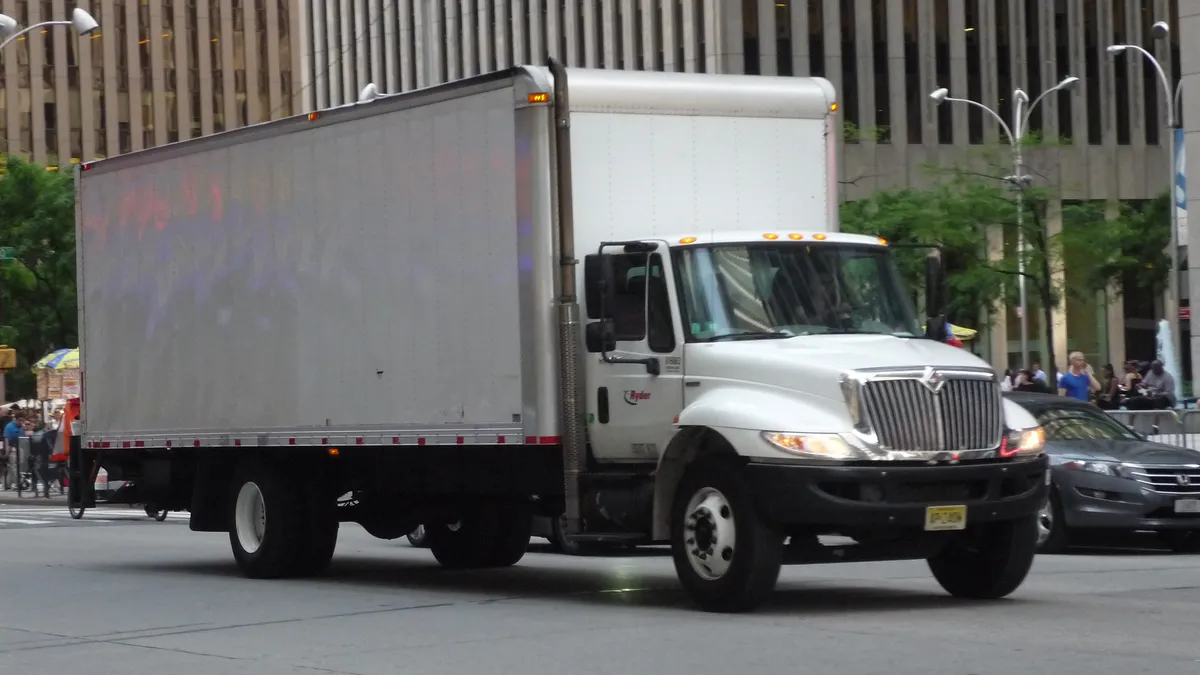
[[961, 333], [59, 359]]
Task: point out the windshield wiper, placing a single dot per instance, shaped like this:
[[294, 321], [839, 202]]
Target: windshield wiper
[[751, 335]]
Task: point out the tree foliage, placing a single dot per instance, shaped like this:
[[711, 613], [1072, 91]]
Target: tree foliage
[[964, 208], [37, 290]]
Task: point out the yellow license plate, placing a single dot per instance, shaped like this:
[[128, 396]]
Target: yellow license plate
[[941, 518]]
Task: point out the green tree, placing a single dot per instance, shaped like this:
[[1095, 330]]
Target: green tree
[[956, 215], [37, 290]]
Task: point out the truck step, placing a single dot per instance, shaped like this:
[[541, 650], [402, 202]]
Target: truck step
[[612, 537]]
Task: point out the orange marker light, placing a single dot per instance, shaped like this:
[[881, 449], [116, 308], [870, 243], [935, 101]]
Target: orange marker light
[[541, 97], [688, 240], [819, 237], [771, 235], [882, 241], [795, 237], [313, 117], [833, 107], [334, 452]]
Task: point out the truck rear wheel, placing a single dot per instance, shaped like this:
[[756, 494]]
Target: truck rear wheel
[[727, 558], [488, 536], [987, 562], [266, 522], [319, 540]]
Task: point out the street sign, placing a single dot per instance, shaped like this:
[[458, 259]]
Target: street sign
[[8, 253]]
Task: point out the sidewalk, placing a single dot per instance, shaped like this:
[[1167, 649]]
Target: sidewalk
[[10, 498]]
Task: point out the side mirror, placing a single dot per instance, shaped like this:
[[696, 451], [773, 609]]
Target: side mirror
[[599, 287], [599, 337], [935, 301]]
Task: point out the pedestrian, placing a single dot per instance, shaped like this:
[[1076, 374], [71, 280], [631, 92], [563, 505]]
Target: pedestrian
[[1159, 380], [1078, 382]]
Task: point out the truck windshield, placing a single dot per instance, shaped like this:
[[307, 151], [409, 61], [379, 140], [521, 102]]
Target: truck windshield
[[785, 289]]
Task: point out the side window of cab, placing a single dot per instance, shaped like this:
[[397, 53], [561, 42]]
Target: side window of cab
[[642, 308]]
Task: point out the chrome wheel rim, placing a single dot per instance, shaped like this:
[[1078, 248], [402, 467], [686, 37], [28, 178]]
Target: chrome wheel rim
[[710, 534], [250, 517], [419, 533], [1045, 522]]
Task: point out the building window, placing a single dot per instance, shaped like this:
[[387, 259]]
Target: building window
[[941, 53], [1062, 45], [851, 112], [915, 99], [1004, 74], [816, 39], [1034, 55], [1092, 48], [1122, 71], [883, 101]]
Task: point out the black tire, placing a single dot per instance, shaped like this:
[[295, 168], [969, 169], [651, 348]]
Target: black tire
[[1181, 541], [1060, 536], [418, 537], [466, 544], [756, 555], [989, 561], [316, 551], [514, 529], [283, 534]]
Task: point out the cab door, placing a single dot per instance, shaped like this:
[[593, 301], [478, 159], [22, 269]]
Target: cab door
[[635, 388]]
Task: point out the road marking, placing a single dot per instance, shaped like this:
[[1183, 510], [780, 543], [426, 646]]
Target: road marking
[[24, 521]]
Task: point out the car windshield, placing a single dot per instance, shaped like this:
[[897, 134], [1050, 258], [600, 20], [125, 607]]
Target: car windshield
[[1078, 423], [784, 289]]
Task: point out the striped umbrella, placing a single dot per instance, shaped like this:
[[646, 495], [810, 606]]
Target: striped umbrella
[[59, 359]]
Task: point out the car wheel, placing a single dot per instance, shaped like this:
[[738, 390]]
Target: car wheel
[[989, 561], [1052, 526], [418, 538]]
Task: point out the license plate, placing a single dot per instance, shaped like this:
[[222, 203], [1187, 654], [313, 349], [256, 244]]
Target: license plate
[[941, 518], [1187, 506]]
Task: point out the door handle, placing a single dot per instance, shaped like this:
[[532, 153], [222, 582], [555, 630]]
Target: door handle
[[602, 405]]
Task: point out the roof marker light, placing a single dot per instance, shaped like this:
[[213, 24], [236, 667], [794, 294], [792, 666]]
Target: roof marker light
[[819, 237], [771, 236], [795, 236], [688, 240], [539, 97], [882, 241], [833, 107]]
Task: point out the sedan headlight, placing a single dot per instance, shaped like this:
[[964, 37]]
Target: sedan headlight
[[831, 447], [1103, 468], [1023, 442]]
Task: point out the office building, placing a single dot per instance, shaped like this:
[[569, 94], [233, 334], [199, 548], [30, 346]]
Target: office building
[[156, 71]]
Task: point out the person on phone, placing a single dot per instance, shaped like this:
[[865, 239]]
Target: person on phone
[[1078, 382]]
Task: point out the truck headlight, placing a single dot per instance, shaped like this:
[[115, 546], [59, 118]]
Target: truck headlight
[[1023, 442], [830, 447]]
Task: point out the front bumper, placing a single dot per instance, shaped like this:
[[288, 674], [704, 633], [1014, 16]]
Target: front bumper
[[1095, 501], [896, 496]]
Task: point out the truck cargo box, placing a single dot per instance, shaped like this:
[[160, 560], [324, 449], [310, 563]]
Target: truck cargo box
[[340, 279]]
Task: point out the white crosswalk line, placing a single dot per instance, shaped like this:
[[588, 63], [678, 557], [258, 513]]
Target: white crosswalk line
[[23, 521]]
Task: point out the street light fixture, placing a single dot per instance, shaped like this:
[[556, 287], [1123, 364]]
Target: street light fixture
[[369, 93], [85, 24], [1160, 31], [1022, 109]]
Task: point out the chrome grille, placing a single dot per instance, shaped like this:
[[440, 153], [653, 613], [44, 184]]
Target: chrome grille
[[964, 414], [1174, 480]]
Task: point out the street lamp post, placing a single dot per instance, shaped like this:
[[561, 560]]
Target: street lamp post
[[1022, 109], [1160, 31], [84, 24]]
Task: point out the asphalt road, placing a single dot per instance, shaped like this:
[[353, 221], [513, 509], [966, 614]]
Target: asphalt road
[[140, 597]]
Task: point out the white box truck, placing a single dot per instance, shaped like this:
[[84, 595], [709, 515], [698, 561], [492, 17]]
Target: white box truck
[[616, 297]]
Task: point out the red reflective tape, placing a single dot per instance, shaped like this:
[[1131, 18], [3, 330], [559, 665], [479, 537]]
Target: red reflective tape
[[500, 440], [104, 444], [395, 440], [421, 441], [124, 444], [237, 441], [458, 440], [324, 441], [549, 440], [531, 440], [196, 443], [291, 441], [359, 441], [139, 444]]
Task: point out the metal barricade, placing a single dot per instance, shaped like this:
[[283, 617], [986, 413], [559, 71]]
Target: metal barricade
[[1171, 427]]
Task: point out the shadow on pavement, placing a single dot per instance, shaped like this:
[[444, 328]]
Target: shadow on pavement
[[601, 587]]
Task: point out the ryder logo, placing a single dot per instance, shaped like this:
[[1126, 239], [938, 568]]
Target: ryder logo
[[633, 397]]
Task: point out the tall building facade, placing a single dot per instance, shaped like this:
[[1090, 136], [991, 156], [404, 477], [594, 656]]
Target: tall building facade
[[156, 72], [1107, 137]]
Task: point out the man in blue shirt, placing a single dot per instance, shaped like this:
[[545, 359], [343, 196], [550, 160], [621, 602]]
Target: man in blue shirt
[[1077, 382], [14, 429]]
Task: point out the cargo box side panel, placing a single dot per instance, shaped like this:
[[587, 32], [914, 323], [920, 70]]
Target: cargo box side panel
[[358, 275]]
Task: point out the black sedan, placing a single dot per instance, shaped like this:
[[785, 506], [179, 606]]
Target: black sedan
[[1107, 478]]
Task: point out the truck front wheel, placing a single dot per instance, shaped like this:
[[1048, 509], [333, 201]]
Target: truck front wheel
[[266, 528], [987, 562], [726, 556]]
